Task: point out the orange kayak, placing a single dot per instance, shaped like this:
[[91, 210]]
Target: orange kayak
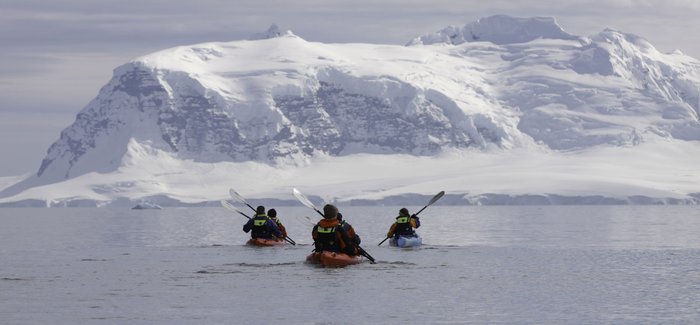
[[265, 242], [333, 259]]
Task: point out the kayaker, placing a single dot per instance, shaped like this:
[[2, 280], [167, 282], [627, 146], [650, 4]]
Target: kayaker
[[272, 213], [329, 236], [349, 229], [261, 226], [404, 225]]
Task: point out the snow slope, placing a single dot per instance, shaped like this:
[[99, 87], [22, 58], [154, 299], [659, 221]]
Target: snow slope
[[503, 110]]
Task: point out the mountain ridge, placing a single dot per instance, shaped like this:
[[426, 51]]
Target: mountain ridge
[[282, 101]]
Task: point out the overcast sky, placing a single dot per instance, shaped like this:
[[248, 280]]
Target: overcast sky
[[56, 54]]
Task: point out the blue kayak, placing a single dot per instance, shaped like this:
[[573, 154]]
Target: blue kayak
[[406, 241]]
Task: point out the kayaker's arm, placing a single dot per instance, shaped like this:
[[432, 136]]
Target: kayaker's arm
[[415, 222], [274, 229], [248, 225], [282, 229], [391, 230]]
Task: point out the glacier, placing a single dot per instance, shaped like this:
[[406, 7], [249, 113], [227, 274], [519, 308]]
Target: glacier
[[503, 110]]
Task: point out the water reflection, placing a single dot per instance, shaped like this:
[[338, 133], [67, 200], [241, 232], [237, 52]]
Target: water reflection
[[170, 227], [525, 226]]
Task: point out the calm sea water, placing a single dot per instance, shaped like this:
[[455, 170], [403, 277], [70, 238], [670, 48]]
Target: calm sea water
[[514, 265]]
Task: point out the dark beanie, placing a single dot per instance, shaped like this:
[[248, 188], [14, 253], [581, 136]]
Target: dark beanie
[[403, 212], [260, 209], [330, 211], [271, 213]]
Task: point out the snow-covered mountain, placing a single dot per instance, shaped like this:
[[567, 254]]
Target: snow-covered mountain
[[367, 121]]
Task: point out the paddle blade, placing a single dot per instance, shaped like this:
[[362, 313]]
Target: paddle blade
[[305, 201], [239, 198], [230, 206], [236, 196], [436, 197], [433, 200]]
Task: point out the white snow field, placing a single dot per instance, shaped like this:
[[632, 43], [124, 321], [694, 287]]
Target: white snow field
[[498, 111]]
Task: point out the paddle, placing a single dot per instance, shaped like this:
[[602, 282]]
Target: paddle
[[433, 200], [305, 201], [240, 199], [382, 242], [230, 206]]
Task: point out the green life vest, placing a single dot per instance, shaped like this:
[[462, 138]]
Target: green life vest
[[403, 225], [260, 229], [322, 230]]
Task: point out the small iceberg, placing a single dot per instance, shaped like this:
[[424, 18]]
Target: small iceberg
[[146, 205]]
